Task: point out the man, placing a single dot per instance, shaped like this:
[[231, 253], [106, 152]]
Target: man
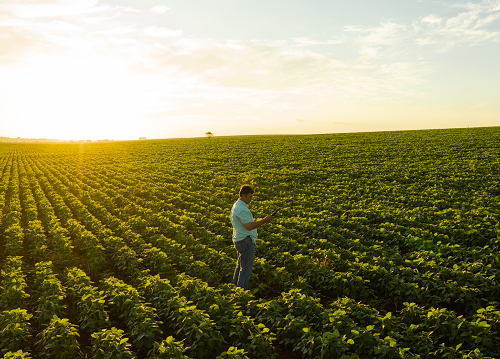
[[245, 236]]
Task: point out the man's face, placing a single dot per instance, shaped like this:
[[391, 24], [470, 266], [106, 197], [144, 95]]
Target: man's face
[[247, 198]]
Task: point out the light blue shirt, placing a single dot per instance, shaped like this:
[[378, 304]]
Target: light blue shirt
[[241, 214]]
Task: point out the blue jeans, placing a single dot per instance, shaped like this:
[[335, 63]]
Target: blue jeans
[[246, 251]]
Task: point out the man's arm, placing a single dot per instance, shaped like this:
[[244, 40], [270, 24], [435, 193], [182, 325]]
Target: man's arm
[[253, 225]]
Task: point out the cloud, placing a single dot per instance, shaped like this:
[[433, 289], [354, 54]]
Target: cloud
[[43, 9], [466, 28], [367, 53], [161, 32], [160, 9], [385, 34], [306, 41], [32, 28], [254, 64], [32, 2], [299, 120], [15, 44], [489, 5], [432, 19], [487, 20], [479, 105], [22, 38], [277, 74], [104, 16], [119, 30], [356, 28], [383, 41]]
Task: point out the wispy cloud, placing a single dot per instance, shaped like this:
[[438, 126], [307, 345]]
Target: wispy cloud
[[160, 9], [385, 34], [53, 8], [161, 32], [468, 27], [432, 19], [479, 105], [306, 41], [119, 30]]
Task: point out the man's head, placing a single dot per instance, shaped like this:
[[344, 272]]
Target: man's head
[[246, 193]]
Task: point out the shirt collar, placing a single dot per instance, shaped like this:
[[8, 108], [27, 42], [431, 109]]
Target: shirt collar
[[246, 205]]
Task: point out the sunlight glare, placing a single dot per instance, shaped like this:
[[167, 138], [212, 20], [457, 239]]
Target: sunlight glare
[[70, 98]]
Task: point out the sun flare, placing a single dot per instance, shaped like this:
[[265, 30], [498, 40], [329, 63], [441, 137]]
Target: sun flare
[[70, 98]]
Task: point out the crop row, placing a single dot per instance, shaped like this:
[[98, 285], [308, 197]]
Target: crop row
[[13, 231]]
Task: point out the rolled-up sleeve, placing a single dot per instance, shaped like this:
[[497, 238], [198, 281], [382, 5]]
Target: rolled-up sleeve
[[244, 216]]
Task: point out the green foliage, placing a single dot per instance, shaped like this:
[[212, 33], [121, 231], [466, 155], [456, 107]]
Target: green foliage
[[233, 352], [129, 307], [14, 240], [49, 292], [59, 340], [13, 284], [225, 309], [193, 324], [110, 344], [15, 330], [88, 243], [386, 244], [91, 303], [168, 349], [38, 242], [17, 355]]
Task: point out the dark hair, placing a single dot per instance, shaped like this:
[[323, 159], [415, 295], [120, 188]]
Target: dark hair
[[245, 189]]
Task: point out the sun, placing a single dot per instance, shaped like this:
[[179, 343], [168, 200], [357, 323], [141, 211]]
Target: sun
[[75, 98]]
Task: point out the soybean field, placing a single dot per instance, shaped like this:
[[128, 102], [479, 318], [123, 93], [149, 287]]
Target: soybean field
[[386, 246]]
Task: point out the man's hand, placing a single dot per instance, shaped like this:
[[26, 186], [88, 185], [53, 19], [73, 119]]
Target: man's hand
[[268, 218], [253, 225]]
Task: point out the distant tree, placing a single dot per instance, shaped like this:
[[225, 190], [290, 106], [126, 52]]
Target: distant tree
[[209, 134]]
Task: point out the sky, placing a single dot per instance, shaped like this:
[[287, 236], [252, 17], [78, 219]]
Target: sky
[[124, 69]]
